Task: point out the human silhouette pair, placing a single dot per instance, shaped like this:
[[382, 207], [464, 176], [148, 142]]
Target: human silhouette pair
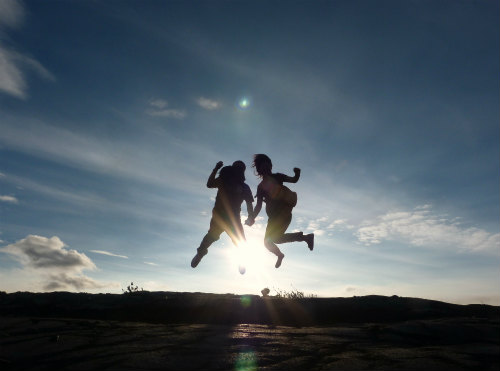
[[232, 191]]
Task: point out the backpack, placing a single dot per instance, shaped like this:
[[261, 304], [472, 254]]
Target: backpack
[[282, 194]]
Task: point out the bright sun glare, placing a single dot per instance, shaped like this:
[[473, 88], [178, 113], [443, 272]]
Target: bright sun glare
[[250, 254]]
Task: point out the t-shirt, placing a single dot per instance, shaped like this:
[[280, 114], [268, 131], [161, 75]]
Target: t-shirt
[[266, 188], [229, 199], [267, 185]]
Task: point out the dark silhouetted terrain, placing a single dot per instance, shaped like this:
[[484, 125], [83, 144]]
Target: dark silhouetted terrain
[[186, 331], [176, 307]]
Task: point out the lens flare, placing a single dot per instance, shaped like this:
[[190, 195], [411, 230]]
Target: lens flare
[[245, 301], [244, 103], [247, 361]]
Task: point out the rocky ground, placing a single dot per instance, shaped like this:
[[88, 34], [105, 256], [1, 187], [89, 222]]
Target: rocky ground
[[437, 342]]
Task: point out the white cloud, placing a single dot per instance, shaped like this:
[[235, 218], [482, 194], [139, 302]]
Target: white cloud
[[54, 266], [421, 227], [12, 80], [102, 252], [339, 224], [51, 253], [317, 226], [11, 199], [64, 281], [208, 104]]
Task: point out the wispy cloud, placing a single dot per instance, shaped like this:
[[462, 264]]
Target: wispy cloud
[[158, 108], [158, 103], [123, 158], [102, 252], [317, 226], [10, 199], [58, 267], [339, 224], [12, 63], [11, 13], [421, 227], [208, 104]]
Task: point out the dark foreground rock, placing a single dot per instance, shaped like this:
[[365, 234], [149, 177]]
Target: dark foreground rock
[[187, 331]]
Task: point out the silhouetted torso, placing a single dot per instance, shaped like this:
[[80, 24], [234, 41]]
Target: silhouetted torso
[[232, 191], [267, 187]]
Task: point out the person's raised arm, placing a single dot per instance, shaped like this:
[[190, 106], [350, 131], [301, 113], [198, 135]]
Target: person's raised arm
[[293, 179], [211, 183]]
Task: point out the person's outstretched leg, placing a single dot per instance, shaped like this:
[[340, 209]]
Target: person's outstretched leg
[[202, 250], [275, 250], [309, 238], [276, 227], [212, 235], [297, 237]]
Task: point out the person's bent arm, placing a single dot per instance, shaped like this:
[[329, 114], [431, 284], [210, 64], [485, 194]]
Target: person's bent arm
[[211, 183], [295, 178]]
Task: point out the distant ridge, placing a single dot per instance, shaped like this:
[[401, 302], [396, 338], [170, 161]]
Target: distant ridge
[[184, 307]]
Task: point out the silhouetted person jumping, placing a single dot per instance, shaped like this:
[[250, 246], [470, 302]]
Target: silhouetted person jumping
[[279, 204], [232, 191]]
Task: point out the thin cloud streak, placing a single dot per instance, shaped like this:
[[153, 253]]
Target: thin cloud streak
[[122, 159], [85, 200], [168, 113], [102, 252]]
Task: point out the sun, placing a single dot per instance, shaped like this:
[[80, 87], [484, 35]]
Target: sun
[[250, 255]]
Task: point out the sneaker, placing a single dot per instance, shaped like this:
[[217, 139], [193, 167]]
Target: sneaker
[[310, 241], [280, 258], [197, 258]]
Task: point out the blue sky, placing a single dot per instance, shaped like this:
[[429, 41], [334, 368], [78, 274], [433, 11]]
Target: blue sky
[[113, 114]]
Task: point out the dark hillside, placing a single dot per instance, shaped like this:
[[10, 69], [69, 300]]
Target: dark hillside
[[176, 307]]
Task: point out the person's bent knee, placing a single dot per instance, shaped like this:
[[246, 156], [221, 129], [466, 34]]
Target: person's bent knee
[[213, 236], [268, 242]]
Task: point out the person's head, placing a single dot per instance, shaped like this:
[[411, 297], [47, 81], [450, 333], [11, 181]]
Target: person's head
[[240, 168], [262, 164]]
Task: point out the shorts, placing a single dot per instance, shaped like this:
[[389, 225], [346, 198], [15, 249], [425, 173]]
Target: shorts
[[278, 223]]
